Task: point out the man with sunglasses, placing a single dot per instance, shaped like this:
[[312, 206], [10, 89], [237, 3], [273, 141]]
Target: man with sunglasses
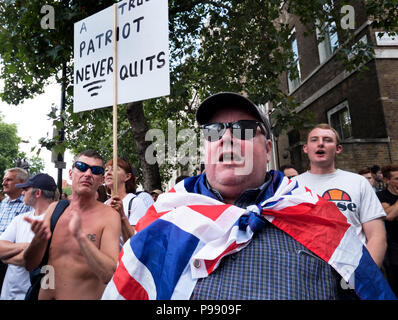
[[236, 231], [237, 146], [85, 242]]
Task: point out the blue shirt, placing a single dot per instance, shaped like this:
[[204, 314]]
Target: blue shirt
[[10, 209]]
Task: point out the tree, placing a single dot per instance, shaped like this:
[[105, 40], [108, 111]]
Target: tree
[[9, 146], [33, 164], [236, 45], [10, 155]]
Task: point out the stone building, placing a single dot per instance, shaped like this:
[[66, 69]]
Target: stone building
[[361, 106]]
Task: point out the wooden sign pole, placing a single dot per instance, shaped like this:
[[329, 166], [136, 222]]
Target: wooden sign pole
[[114, 99]]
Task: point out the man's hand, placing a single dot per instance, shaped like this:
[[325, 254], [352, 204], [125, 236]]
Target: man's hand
[[35, 251], [75, 224], [41, 231]]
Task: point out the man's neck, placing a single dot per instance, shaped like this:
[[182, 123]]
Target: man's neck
[[14, 196], [322, 170], [83, 201], [232, 199], [41, 207]]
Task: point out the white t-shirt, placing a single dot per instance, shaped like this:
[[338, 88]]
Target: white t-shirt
[[147, 198], [16, 281], [138, 208], [351, 193]]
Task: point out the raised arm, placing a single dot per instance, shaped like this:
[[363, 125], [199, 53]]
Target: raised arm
[[34, 253], [127, 230]]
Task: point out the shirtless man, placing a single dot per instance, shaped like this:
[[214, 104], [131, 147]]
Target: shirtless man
[[85, 244]]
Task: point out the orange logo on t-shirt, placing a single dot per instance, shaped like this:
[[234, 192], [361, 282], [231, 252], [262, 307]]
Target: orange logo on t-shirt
[[338, 196]]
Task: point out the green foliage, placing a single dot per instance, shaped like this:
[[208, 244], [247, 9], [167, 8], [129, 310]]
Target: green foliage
[[32, 55], [9, 145], [67, 190], [36, 164], [9, 150]]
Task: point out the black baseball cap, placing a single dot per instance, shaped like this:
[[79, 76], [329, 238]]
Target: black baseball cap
[[229, 99], [40, 181]]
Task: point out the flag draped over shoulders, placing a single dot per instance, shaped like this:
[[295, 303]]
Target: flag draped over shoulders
[[187, 232]]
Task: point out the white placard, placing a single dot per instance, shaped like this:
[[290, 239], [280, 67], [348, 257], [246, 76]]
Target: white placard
[[142, 55], [386, 40]]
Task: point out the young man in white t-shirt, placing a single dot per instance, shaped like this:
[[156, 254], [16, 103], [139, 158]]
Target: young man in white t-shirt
[[351, 193], [39, 191]]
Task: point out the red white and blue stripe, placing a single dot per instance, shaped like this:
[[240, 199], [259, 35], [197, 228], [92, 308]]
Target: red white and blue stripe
[[178, 243]]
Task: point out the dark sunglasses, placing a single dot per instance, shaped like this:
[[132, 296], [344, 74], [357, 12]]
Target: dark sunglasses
[[83, 167], [242, 129]]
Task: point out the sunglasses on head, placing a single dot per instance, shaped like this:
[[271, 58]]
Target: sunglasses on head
[[83, 167], [242, 129]]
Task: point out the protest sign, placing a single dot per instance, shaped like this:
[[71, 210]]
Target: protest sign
[[142, 55]]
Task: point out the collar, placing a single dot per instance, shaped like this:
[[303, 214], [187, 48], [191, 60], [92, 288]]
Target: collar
[[248, 197], [19, 199]]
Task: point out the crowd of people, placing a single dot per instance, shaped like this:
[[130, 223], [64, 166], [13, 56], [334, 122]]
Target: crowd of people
[[81, 236]]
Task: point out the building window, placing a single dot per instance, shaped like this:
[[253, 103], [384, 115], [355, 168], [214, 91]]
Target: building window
[[294, 79], [327, 32], [339, 118]]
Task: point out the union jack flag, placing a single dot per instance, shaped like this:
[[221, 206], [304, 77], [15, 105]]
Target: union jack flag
[[185, 234]]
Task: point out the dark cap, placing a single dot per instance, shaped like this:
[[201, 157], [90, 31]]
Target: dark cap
[[40, 181], [229, 99]]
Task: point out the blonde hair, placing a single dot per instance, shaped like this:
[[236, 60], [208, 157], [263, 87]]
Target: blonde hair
[[325, 126]]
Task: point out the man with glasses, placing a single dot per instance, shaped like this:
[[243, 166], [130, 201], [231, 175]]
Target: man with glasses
[[38, 192], [85, 241], [236, 231]]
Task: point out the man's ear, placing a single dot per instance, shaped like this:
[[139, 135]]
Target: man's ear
[[305, 149], [38, 193], [268, 148], [339, 149]]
